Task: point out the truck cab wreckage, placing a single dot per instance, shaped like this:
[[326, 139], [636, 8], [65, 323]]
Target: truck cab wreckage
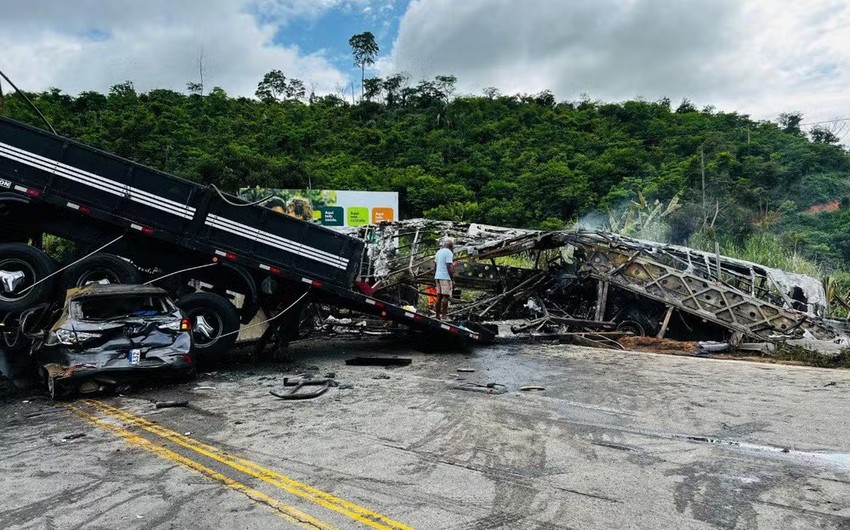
[[602, 285]]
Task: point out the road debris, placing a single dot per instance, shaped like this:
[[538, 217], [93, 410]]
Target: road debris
[[170, 404], [532, 388], [711, 346], [292, 388], [378, 361], [489, 388]]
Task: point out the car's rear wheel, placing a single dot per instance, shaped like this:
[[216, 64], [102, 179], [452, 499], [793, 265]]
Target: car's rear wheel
[[215, 322], [101, 268], [24, 272]]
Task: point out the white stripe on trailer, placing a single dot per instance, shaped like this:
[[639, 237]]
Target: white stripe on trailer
[[410, 315], [445, 326], [73, 206], [101, 183], [265, 267], [112, 188], [21, 188], [277, 241], [307, 280], [299, 248], [137, 227], [273, 237], [220, 253], [370, 301], [256, 237], [254, 234]]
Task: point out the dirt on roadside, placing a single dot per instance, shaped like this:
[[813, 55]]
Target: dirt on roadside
[[656, 345]]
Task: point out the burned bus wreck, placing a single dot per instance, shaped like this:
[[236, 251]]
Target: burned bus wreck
[[597, 283]]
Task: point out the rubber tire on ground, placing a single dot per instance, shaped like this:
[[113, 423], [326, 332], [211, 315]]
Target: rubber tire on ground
[[41, 265], [121, 271], [194, 303]]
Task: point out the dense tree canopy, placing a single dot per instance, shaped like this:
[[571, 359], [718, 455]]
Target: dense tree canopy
[[524, 160]]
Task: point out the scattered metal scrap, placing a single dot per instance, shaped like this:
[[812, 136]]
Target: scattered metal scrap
[[596, 286], [489, 388], [292, 388], [378, 361]]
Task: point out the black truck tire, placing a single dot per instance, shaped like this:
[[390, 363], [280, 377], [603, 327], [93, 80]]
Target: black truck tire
[[638, 322], [101, 266], [36, 265], [217, 313]]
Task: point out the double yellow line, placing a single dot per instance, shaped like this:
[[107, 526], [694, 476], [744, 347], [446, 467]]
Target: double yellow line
[[349, 509]]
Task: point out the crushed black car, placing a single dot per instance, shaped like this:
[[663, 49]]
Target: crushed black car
[[109, 335]]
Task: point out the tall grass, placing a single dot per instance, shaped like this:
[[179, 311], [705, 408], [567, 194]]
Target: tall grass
[[763, 248]]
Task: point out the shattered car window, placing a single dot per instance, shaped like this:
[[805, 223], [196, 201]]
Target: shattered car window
[[112, 307]]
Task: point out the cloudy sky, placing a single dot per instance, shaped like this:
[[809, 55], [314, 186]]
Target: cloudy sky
[[759, 57]]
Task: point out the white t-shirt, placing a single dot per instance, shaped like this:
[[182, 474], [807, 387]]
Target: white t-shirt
[[443, 258]]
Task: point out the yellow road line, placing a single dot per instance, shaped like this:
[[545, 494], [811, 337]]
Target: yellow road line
[[322, 498], [287, 512]]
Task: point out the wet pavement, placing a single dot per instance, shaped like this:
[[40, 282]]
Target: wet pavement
[[616, 440]]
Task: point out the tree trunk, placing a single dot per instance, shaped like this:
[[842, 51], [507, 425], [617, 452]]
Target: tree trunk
[[362, 81]]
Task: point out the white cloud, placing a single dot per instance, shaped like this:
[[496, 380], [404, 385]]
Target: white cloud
[[760, 57], [90, 45]]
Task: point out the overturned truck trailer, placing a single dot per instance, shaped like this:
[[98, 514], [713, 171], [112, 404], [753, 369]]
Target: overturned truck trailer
[[590, 281]]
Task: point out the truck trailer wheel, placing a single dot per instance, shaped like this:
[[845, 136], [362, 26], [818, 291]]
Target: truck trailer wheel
[[212, 316], [21, 267], [101, 268]]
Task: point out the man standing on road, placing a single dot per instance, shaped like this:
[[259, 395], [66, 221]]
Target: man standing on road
[[443, 278]]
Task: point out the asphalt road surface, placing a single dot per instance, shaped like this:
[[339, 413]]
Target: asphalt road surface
[[616, 440]]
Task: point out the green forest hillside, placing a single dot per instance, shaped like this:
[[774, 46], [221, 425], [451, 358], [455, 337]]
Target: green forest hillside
[[525, 161]]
